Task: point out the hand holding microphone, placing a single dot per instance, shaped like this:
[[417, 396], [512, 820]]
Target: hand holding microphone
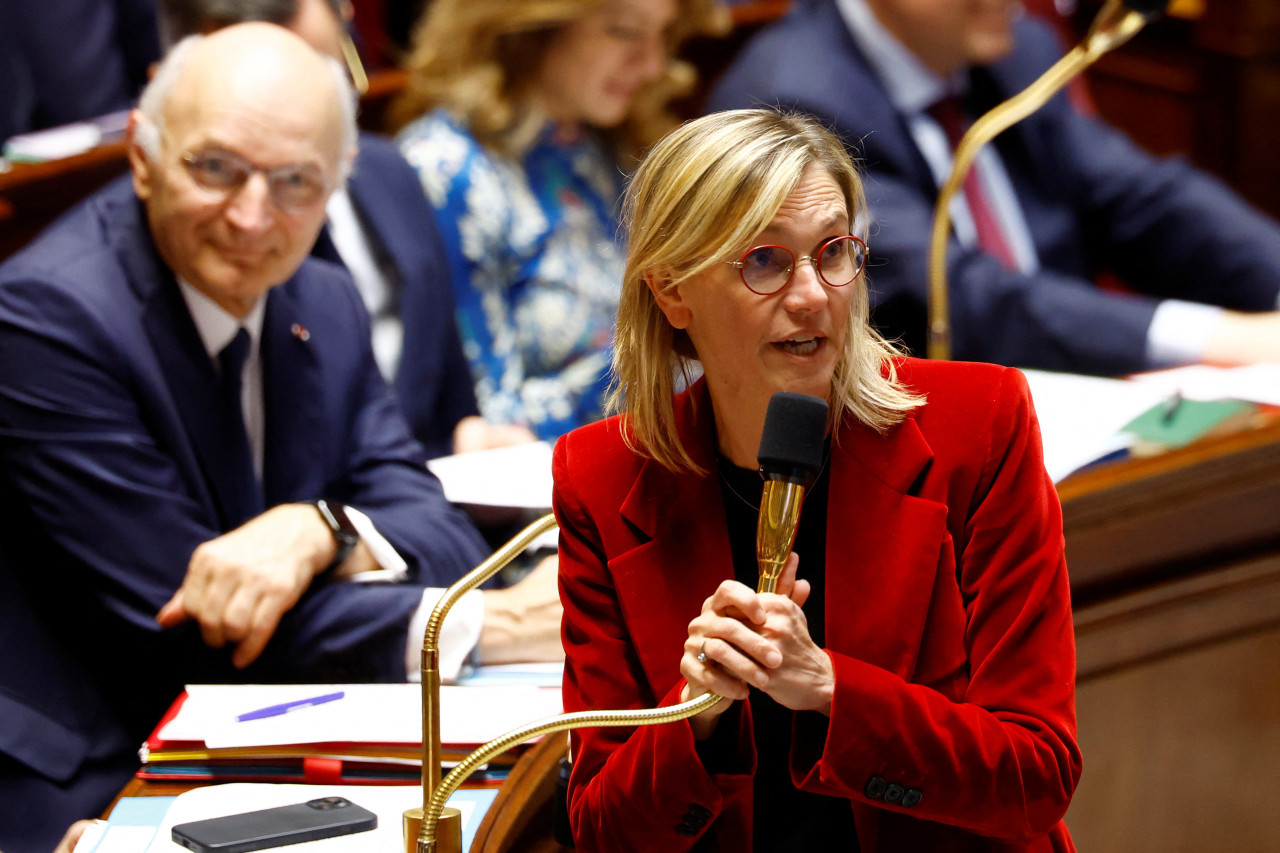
[[761, 638]]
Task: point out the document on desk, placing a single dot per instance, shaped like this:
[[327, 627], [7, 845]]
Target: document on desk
[[366, 714], [1256, 383], [1081, 417], [518, 476]]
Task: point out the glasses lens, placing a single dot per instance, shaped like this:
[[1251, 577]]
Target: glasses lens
[[295, 187], [765, 269], [841, 260], [217, 170]]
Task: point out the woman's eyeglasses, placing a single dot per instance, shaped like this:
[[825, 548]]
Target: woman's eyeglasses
[[767, 269], [292, 187]]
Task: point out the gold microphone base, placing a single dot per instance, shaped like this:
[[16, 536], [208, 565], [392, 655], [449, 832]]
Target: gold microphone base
[[448, 832]]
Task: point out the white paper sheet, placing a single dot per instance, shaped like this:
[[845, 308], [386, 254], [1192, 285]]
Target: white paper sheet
[[368, 713], [1081, 416], [1258, 383], [518, 476]]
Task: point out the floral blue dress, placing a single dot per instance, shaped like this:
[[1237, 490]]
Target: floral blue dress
[[536, 263]]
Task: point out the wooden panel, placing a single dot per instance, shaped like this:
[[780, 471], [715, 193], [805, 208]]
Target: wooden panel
[[1179, 717], [1185, 511]]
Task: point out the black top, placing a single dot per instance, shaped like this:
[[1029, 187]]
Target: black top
[[786, 819]]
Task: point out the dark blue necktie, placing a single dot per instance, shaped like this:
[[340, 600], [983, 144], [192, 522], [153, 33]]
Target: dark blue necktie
[[247, 494]]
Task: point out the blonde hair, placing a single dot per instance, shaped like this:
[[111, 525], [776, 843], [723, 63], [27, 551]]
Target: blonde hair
[[475, 57], [702, 194]]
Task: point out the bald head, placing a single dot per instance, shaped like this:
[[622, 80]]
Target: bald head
[[237, 143], [258, 67]]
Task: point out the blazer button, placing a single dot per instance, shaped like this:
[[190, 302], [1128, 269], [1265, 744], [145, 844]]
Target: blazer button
[[911, 797], [698, 815], [688, 830], [893, 793], [875, 787]]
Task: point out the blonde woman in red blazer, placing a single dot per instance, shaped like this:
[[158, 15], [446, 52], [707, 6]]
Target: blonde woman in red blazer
[[912, 685]]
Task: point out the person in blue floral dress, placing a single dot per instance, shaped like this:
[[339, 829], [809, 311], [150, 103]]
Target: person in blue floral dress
[[520, 118]]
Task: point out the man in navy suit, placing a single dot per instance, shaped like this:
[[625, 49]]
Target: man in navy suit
[[178, 383], [384, 231], [1064, 195]]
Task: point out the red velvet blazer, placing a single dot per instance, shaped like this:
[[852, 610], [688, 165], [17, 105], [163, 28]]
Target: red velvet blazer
[[948, 622]]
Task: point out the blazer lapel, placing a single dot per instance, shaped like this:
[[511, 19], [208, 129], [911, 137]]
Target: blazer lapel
[[292, 397], [884, 546], [185, 365], [684, 554]]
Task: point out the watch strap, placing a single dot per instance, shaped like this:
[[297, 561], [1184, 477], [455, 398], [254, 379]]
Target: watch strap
[[345, 535]]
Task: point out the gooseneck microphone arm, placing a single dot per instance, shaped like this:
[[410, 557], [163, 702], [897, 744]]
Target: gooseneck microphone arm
[[790, 457], [1116, 23]]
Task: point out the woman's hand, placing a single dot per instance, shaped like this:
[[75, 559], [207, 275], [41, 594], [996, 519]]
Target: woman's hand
[[758, 640], [805, 681]]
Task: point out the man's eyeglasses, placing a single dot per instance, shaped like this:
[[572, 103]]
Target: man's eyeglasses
[[767, 269], [293, 187]]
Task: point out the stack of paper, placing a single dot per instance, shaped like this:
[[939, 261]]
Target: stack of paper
[[373, 734]]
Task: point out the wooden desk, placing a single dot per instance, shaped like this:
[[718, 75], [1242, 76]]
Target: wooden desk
[[520, 818], [1175, 568]]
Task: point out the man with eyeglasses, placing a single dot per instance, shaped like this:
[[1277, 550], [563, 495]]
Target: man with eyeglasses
[[383, 230], [199, 461]]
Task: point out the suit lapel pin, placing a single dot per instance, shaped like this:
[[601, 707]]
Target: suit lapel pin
[[300, 332]]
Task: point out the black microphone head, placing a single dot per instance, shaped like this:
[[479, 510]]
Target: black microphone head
[[1147, 7], [794, 430]]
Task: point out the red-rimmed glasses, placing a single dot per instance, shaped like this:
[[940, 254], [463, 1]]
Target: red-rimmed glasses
[[767, 269]]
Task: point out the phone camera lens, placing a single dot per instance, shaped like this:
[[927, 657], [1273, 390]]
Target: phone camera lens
[[326, 803]]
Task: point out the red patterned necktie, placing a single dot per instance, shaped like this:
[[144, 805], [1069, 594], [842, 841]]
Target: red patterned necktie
[[949, 113]]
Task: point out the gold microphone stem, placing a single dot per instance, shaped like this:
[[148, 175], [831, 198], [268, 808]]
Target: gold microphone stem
[[515, 737], [414, 822], [1114, 26], [776, 531], [780, 503]]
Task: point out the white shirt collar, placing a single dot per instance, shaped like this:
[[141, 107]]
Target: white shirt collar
[[215, 325], [911, 85]]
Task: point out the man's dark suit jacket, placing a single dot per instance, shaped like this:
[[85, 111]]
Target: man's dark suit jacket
[[1092, 201], [108, 483], [433, 380]]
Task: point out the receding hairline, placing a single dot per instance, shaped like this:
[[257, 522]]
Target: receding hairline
[[252, 64]]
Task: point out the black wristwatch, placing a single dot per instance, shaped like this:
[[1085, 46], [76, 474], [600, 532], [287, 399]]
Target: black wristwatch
[[344, 532]]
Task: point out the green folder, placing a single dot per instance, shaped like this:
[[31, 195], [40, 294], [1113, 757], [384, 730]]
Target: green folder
[[1178, 422]]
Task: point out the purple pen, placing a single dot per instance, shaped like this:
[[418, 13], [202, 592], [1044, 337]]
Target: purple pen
[[286, 707]]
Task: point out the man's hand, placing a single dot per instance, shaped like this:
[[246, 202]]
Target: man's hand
[[522, 622], [1245, 339], [240, 584], [475, 433]]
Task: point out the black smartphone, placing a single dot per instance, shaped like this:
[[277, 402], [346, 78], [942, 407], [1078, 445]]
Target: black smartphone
[[239, 833]]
